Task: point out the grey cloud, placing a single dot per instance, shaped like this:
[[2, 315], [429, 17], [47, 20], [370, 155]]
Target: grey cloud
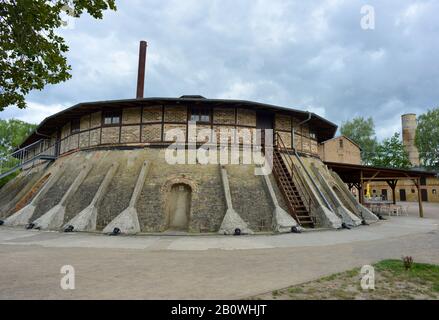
[[302, 54]]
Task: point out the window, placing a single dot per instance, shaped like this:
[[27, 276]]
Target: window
[[423, 181], [200, 114], [112, 118], [313, 135], [341, 143], [413, 190], [76, 126], [433, 191]]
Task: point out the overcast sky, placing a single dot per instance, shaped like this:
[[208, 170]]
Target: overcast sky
[[310, 55]]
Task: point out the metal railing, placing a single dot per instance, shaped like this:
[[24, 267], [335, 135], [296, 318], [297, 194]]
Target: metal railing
[[40, 150]]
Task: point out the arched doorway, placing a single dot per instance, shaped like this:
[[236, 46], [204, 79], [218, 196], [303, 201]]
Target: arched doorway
[[179, 206]]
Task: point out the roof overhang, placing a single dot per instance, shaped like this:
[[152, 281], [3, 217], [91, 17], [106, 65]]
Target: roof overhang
[[353, 173]]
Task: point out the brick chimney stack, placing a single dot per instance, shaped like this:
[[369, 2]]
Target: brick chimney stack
[[409, 126]]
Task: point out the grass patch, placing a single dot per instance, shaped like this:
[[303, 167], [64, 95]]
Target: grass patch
[[392, 281], [421, 273]]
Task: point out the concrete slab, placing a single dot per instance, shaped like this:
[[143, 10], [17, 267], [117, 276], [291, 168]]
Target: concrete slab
[[143, 267], [394, 227]]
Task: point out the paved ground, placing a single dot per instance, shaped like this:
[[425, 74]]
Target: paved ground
[[200, 267]]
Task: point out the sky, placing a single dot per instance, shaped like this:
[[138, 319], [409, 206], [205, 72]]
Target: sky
[[309, 55]]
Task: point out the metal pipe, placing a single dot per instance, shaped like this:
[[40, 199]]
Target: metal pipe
[[305, 121], [299, 124], [141, 70]]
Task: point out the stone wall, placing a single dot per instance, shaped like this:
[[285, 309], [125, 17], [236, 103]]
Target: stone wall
[[207, 207], [249, 197], [15, 189]]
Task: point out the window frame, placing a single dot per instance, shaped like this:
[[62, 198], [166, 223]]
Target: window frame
[[75, 126], [111, 115], [200, 112]]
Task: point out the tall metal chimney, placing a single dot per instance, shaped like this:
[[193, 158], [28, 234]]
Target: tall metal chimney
[[409, 126], [141, 71]]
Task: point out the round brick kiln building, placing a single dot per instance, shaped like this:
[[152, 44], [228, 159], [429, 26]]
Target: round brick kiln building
[[107, 172]]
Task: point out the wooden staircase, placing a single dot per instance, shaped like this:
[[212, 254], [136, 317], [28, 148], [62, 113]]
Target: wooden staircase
[[283, 174]]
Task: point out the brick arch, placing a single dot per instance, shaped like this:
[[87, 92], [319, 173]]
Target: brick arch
[[179, 179], [165, 191]]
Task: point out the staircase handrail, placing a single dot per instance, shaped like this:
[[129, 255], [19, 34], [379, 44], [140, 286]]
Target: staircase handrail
[[296, 176], [304, 183], [13, 161]]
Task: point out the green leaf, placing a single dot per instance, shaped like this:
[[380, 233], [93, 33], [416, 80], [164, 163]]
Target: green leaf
[[31, 54]]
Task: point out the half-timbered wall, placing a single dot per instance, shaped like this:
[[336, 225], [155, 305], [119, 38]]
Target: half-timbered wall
[[149, 124]]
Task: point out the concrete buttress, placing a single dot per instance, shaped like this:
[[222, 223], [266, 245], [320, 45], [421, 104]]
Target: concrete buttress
[[23, 216], [86, 219], [232, 220], [282, 221], [128, 221], [54, 218]]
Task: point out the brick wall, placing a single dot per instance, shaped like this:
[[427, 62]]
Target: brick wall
[[282, 122], [152, 114], [224, 115], [151, 132], [110, 135], [85, 122], [96, 119], [95, 137], [131, 116], [84, 139], [246, 117], [130, 134], [175, 114]]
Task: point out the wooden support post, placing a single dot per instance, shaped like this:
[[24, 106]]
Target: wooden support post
[[418, 186], [362, 188], [392, 185]]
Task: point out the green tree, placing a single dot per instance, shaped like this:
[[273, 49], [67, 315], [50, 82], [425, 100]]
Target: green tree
[[12, 134], [362, 132], [391, 154], [427, 138], [32, 55]]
